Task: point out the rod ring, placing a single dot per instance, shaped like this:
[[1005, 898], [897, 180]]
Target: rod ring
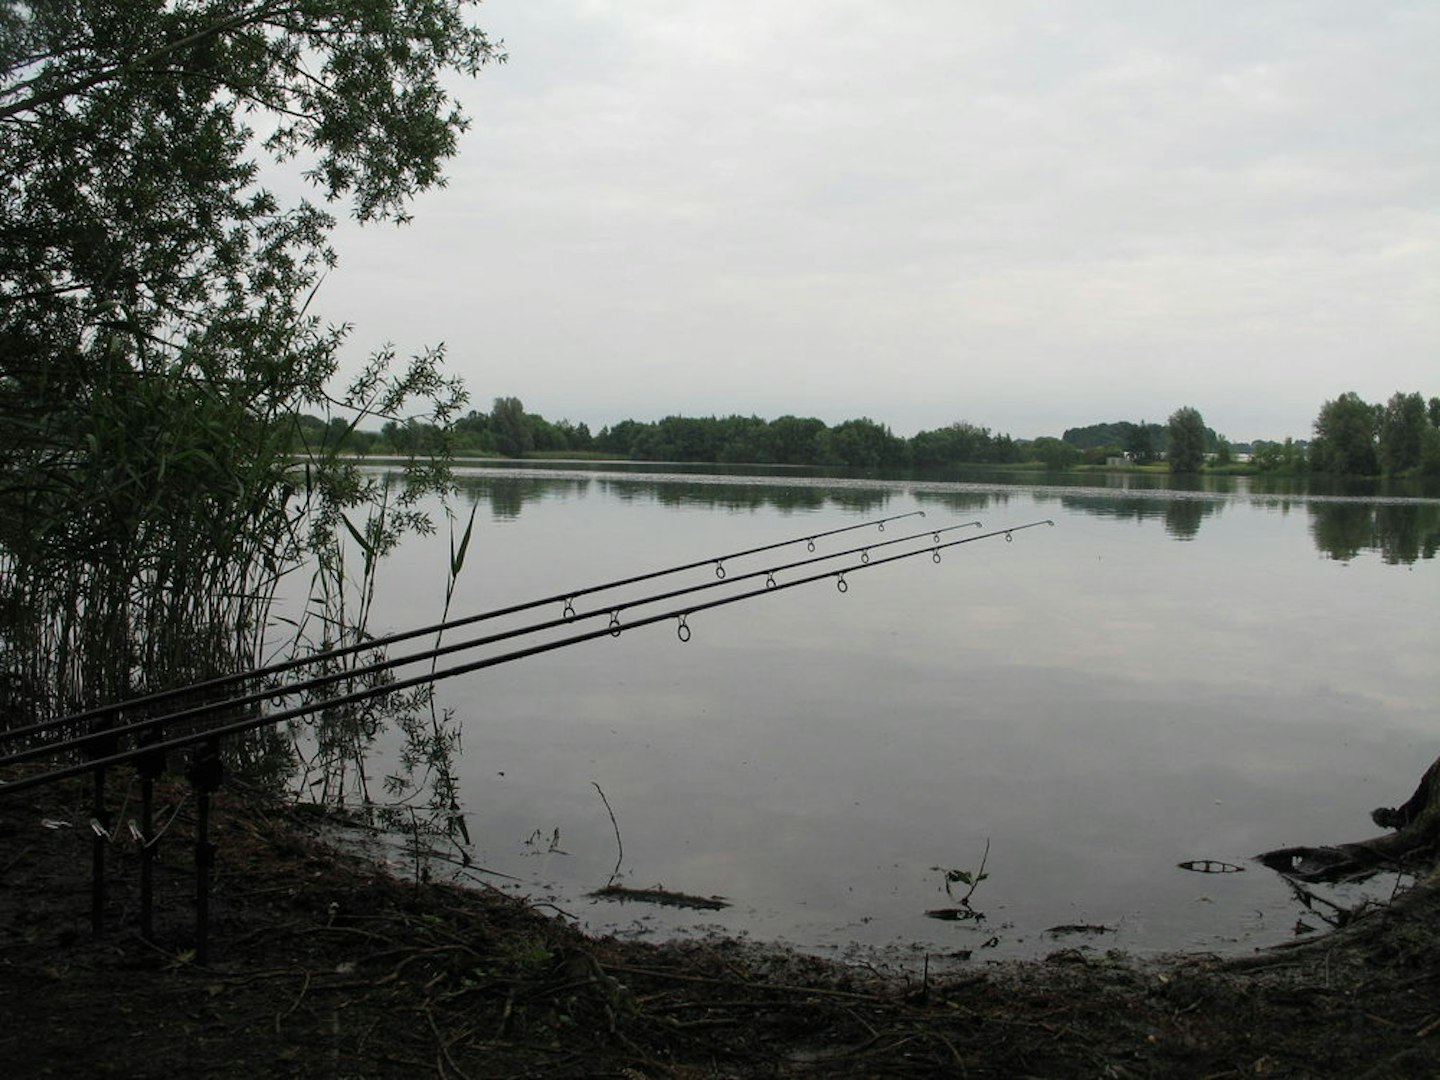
[[882, 526], [614, 624], [770, 581], [719, 570], [569, 612], [1009, 539], [935, 554], [810, 543], [865, 556], [841, 584], [936, 536], [683, 630]]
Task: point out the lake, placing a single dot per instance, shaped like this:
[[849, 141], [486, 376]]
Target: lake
[[1162, 676]]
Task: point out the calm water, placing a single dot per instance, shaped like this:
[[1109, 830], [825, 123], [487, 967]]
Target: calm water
[[1162, 676]]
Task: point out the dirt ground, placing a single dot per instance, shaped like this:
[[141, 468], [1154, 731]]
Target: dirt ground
[[321, 965]]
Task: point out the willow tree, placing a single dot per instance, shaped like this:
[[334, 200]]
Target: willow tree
[[154, 328]]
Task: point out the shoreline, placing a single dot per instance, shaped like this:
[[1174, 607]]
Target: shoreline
[[323, 963]]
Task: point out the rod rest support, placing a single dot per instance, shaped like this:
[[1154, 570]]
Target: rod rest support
[[148, 766], [103, 743], [205, 773]]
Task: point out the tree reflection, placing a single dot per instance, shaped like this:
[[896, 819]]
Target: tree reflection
[[1400, 532], [1183, 516], [1123, 507], [1342, 528], [1405, 533], [509, 494], [960, 502]]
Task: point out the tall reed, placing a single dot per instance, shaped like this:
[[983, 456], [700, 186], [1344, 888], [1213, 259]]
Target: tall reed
[[159, 525]]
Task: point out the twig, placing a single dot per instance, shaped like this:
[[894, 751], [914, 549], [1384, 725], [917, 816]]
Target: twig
[[304, 988], [411, 957], [444, 1048], [10, 865], [781, 988], [619, 844], [954, 1053]]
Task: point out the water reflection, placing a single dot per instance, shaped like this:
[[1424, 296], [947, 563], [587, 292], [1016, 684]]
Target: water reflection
[[736, 497], [961, 501], [1098, 701], [1342, 528], [1400, 532], [1183, 516], [508, 492]]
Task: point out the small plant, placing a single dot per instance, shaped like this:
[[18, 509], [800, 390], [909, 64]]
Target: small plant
[[525, 958], [538, 843], [971, 879]]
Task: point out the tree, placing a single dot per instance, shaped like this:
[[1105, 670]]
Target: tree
[[1116, 433], [1344, 440], [1005, 450], [1140, 444], [1430, 453], [744, 439], [574, 436], [1054, 453], [792, 439], [863, 443], [620, 438], [514, 436], [131, 217], [1402, 432], [1286, 457], [153, 298], [544, 435], [1186, 440], [958, 442], [472, 432]]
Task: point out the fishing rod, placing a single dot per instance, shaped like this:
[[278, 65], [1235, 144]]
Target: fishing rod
[[91, 739], [281, 667], [682, 614]]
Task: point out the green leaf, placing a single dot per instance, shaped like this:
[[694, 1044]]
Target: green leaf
[[457, 558]]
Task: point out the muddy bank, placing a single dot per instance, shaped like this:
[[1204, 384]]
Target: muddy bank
[[323, 965]]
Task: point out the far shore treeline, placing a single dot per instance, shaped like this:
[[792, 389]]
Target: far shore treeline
[[1351, 437]]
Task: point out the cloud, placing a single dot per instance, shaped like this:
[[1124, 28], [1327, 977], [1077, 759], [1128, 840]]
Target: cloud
[[1028, 215]]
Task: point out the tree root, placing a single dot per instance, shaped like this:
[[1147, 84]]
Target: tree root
[[1414, 846]]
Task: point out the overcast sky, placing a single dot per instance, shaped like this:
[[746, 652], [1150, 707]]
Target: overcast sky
[[1026, 215]]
